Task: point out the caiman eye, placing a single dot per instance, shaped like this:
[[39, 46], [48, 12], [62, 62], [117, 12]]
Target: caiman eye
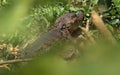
[[63, 26]]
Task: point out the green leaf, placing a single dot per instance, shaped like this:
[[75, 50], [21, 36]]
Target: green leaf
[[94, 1]]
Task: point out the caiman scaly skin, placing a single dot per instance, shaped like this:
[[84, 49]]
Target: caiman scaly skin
[[64, 28], [41, 41]]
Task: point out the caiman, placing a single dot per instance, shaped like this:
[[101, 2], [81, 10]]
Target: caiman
[[66, 26]]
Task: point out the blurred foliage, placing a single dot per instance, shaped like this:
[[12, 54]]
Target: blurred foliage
[[23, 20], [96, 60]]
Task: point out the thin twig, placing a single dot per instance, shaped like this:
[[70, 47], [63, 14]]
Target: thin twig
[[86, 31], [87, 25], [14, 61]]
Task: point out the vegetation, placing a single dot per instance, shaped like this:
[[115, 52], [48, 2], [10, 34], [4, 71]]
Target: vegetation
[[96, 53]]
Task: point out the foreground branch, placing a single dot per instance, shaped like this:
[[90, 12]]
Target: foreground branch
[[98, 22]]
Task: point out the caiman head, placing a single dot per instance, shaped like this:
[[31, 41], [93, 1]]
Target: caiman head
[[69, 21]]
